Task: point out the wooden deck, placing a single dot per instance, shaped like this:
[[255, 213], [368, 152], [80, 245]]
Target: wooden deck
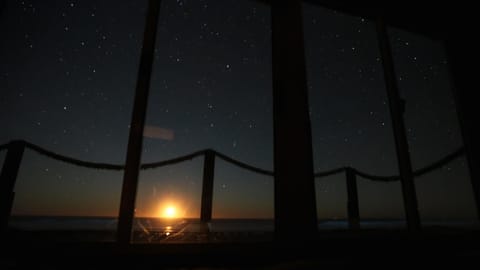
[[340, 249]]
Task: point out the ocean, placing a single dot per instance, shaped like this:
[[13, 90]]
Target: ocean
[[144, 229], [153, 230]]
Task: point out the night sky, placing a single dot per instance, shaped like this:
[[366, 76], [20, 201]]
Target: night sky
[[67, 77]]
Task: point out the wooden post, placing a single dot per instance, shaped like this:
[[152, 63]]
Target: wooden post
[[134, 151], [466, 103], [207, 187], [295, 205], [8, 178], [401, 144], [352, 205]]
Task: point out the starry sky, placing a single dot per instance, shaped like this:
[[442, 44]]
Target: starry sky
[[67, 77]]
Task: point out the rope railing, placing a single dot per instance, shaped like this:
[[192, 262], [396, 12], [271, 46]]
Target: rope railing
[[422, 171], [16, 149], [106, 166], [243, 165], [377, 178], [73, 161], [172, 161], [440, 163], [330, 172]]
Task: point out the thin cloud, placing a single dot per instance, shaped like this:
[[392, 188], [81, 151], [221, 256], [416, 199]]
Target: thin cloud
[[159, 133]]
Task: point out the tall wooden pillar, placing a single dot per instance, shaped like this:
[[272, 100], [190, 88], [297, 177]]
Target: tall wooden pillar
[[295, 208], [134, 151], [460, 46], [399, 133]]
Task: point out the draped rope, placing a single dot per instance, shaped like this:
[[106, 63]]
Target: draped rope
[[106, 166], [73, 161], [431, 167], [172, 161], [103, 166], [330, 172], [243, 165]]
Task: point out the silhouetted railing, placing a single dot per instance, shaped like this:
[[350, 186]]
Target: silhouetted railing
[[16, 148], [351, 178]]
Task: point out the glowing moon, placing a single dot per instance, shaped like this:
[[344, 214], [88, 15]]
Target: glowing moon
[[170, 212]]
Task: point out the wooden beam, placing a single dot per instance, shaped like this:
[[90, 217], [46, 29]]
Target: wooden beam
[[134, 151], [459, 49], [295, 206], [399, 133]]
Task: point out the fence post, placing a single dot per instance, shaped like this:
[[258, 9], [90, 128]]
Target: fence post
[[207, 187], [401, 144], [352, 205], [8, 177]]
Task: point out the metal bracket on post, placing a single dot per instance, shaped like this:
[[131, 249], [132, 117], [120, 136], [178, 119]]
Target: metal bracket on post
[[8, 177]]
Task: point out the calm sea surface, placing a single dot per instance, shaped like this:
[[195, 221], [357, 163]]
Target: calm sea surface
[[220, 225]]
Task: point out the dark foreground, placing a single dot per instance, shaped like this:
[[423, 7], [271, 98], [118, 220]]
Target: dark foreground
[[374, 249]]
